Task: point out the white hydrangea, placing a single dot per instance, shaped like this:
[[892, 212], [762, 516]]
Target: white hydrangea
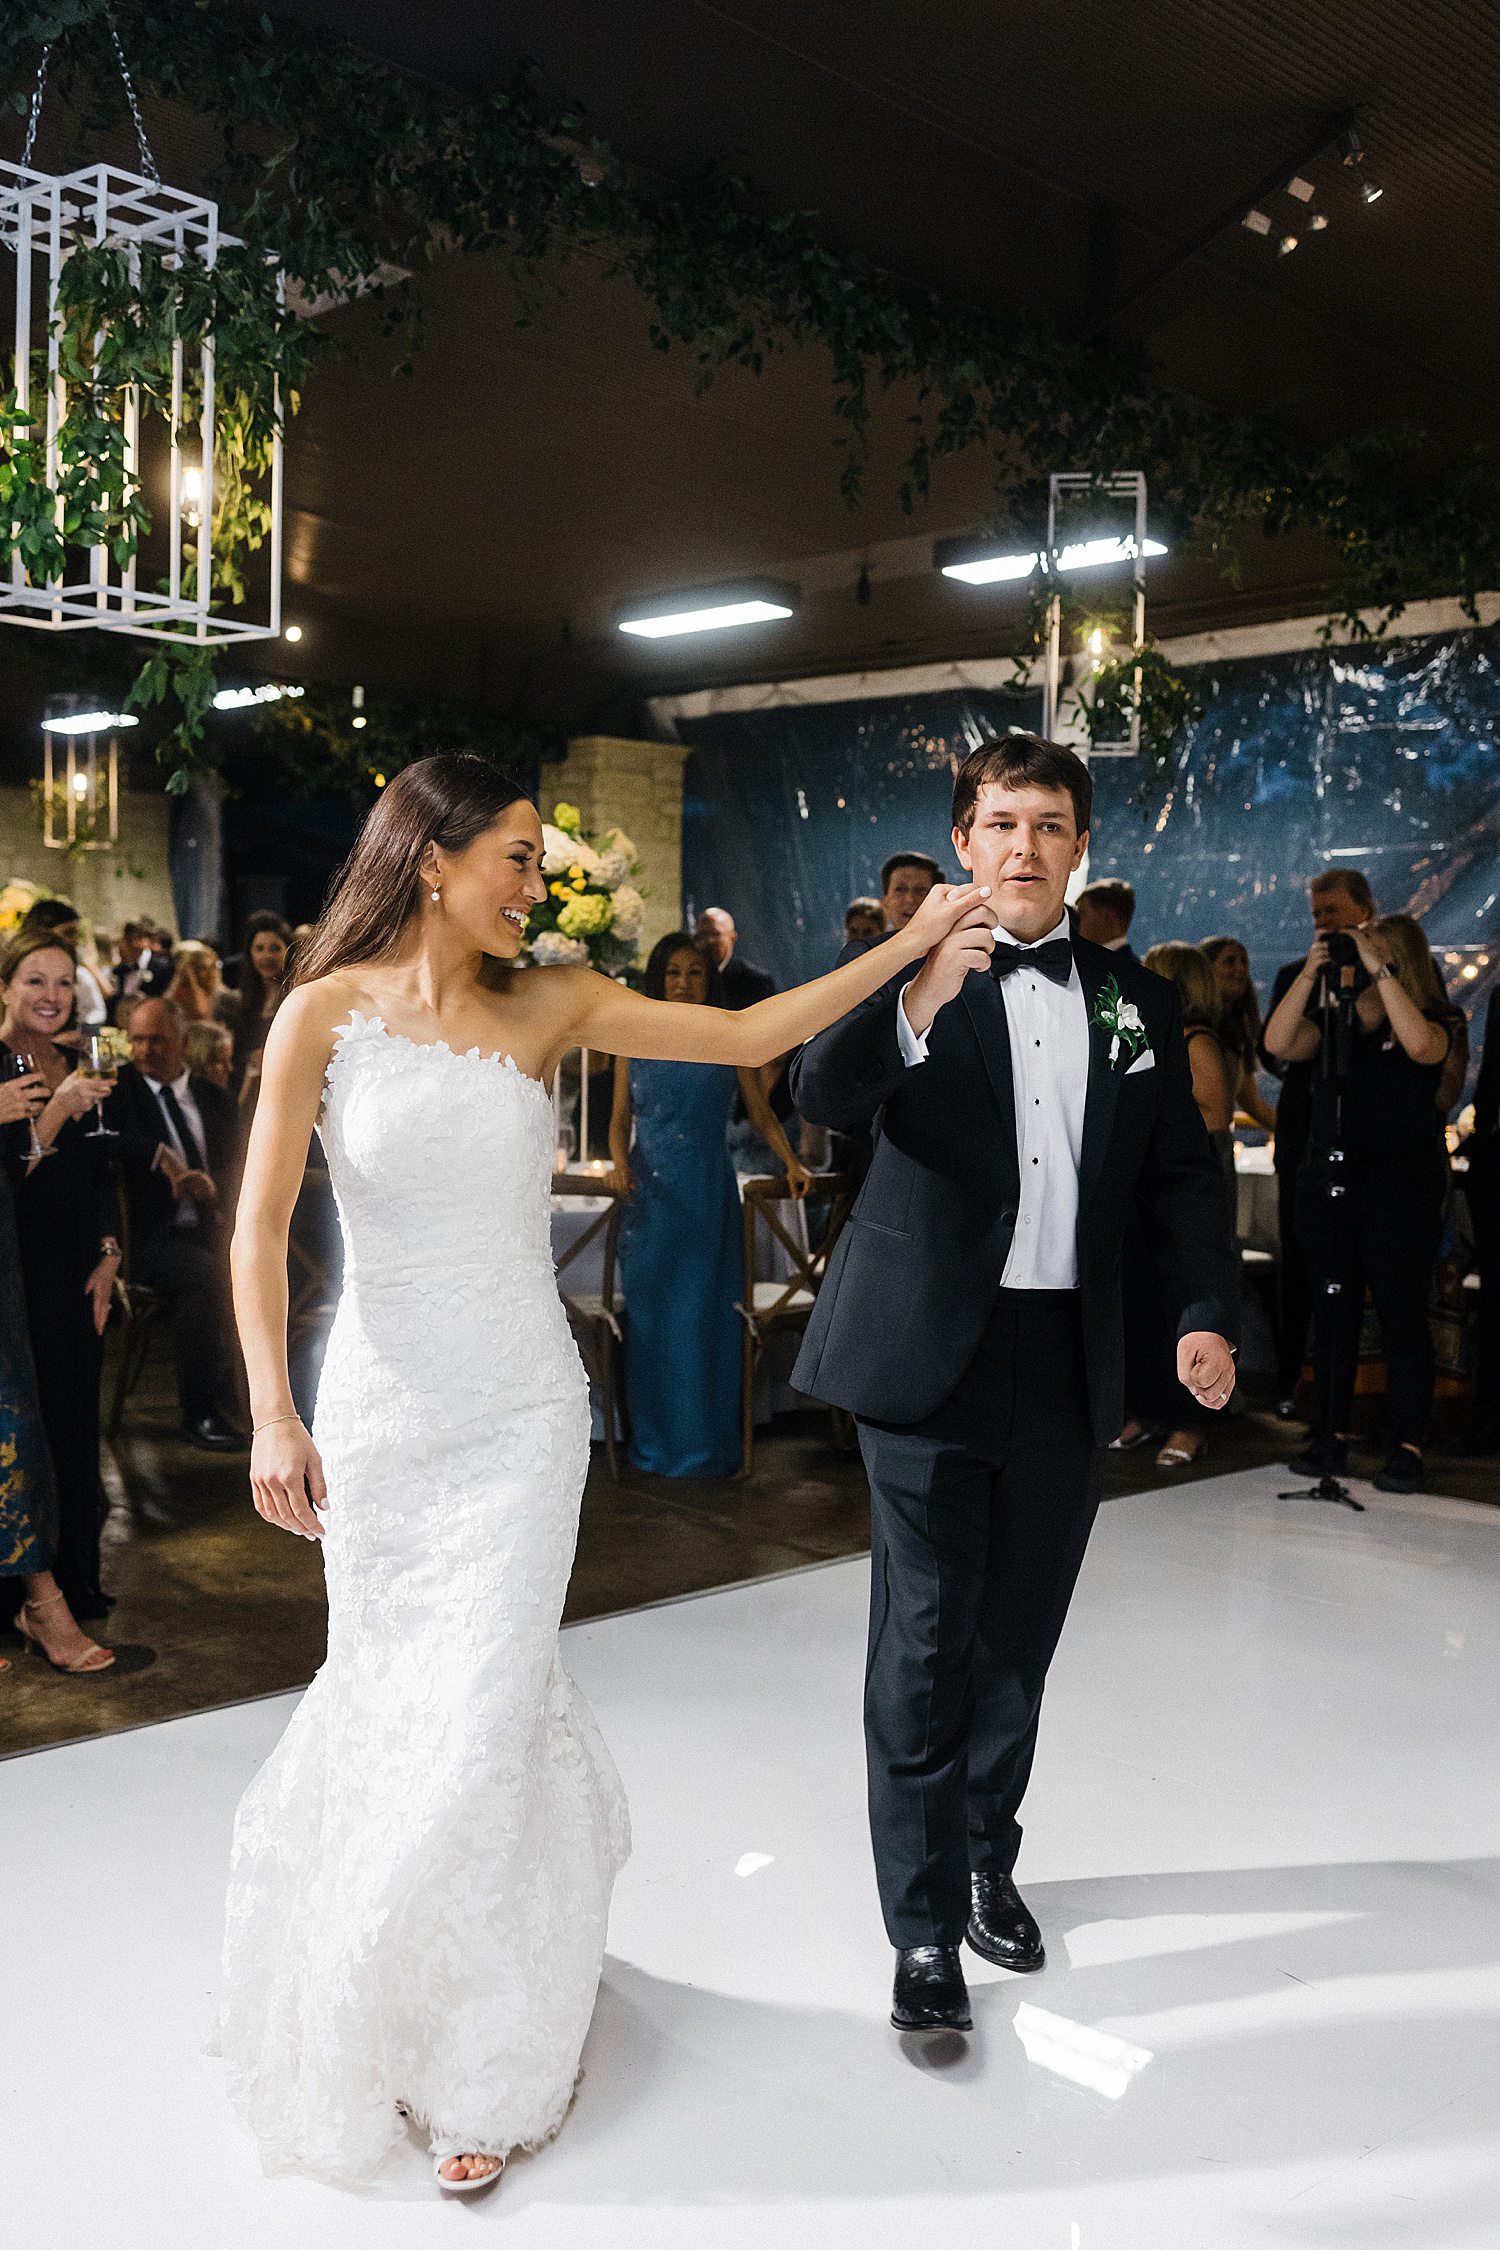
[[613, 868], [560, 852], [616, 840], [551, 950], [630, 913]]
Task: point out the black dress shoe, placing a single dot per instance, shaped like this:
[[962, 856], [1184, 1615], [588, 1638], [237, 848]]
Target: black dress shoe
[[211, 1435], [930, 1992], [1401, 1471], [1002, 1927]]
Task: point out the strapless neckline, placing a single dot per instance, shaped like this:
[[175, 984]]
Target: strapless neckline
[[357, 1022]]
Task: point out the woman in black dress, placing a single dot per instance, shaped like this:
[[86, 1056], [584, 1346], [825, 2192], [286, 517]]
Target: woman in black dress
[[67, 1226], [265, 957]]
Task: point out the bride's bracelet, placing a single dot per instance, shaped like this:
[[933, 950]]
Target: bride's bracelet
[[275, 1418]]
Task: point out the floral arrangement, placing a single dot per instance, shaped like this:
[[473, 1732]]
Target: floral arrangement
[[17, 898], [593, 915]]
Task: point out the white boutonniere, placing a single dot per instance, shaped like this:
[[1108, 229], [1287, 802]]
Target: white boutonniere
[[1121, 1018]]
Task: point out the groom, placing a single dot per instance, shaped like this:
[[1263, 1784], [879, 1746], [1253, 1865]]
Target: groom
[[1026, 1088]]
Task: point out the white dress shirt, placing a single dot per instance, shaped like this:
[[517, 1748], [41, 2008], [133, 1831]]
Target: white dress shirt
[[1049, 1060], [186, 1214]]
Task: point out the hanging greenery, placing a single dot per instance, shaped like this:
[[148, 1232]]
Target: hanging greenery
[[320, 752], [351, 167]]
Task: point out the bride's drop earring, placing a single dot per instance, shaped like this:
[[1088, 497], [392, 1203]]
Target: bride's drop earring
[[436, 897]]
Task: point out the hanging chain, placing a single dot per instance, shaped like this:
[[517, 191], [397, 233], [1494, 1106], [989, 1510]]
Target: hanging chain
[[148, 161], [36, 107]]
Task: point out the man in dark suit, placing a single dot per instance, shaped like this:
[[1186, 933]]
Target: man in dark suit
[[740, 982], [1340, 899], [144, 969], [1105, 911], [1483, 1184], [177, 1154], [1026, 1087]]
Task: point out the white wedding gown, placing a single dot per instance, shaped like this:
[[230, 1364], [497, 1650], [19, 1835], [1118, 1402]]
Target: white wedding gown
[[422, 1870]]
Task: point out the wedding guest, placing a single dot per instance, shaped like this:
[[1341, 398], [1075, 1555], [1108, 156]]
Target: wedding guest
[[144, 968], [740, 983], [1339, 899], [1156, 1398], [265, 956], [210, 1053], [1484, 1208], [681, 1261], [28, 1487], [1240, 1026], [178, 1135], [197, 985], [61, 918], [67, 1229], [1383, 1232], [1105, 911], [905, 880], [864, 922]]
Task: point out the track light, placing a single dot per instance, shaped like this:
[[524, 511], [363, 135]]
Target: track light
[[1354, 147], [1316, 221], [1370, 191], [1257, 222], [1287, 245]]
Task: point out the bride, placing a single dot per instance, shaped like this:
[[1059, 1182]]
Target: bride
[[422, 1870]]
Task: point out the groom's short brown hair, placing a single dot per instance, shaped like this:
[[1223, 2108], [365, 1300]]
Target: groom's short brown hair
[[1020, 761]]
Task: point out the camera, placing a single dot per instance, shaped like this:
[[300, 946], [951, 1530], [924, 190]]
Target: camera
[[1343, 953]]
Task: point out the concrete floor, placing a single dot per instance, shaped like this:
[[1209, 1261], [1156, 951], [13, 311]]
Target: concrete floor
[[233, 1610]]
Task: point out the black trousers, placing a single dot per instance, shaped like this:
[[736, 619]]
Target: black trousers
[[980, 1517], [1484, 1214], [191, 1270], [1385, 1238]]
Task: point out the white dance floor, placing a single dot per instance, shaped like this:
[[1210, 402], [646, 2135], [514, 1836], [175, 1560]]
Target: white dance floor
[[1263, 1841]]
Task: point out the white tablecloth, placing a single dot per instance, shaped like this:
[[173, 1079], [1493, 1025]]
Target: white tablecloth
[[1257, 1222]]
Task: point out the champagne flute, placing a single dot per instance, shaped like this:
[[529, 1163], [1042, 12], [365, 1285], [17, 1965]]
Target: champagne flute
[[17, 1063], [99, 1060]]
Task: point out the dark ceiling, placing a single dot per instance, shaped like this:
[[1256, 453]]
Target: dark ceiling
[[478, 524]]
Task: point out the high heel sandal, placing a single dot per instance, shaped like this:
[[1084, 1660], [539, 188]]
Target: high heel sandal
[[443, 2152], [80, 1664]]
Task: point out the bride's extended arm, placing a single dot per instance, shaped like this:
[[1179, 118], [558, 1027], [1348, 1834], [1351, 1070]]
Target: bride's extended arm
[[618, 1021], [286, 1475]]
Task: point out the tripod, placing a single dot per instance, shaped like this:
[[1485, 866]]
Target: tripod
[[1335, 1337]]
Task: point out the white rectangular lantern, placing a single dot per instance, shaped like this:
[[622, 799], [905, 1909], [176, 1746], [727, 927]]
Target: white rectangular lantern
[[164, 589]]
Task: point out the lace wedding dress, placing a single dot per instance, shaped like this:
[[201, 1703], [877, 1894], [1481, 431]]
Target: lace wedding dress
[[422, 1870]]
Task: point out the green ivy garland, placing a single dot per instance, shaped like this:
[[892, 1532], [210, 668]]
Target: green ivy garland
[[345, 164]]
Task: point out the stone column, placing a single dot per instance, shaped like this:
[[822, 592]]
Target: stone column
[[636, 786]]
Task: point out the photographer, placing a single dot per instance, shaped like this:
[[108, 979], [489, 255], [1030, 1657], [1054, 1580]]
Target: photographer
[[1372, 1183]]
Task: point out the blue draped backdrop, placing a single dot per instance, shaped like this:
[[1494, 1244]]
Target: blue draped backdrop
[[1382, 758]]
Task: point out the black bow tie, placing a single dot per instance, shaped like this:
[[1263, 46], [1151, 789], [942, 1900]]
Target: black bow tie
[[1054, 959]]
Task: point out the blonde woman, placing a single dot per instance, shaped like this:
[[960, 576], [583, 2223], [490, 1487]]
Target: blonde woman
[[196, 986], [1386, 1120]]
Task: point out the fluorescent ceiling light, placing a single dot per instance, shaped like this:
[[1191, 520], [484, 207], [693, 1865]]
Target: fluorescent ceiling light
[[89, 722], [706, 620], [989, 570], [243, 698]]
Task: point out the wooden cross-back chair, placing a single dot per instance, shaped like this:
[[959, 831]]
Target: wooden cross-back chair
[[140, 1309], [594, 1315], [770, 1308]]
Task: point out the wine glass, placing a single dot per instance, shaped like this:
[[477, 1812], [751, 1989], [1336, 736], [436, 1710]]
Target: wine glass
[[99, 1060], [18, 1063]]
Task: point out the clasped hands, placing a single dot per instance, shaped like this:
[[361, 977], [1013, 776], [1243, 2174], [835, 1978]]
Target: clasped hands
[[186, 1179]]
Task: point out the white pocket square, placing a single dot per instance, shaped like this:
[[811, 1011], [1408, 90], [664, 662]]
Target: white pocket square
[[1147, 1061]]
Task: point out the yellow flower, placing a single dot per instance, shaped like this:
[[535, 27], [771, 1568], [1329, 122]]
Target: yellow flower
[[585, 917], [558, 890], [568, 818], [575, 877]]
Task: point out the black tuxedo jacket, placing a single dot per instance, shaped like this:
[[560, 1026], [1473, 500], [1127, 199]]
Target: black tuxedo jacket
[[742, 984], [912, 1281], [136, 1116]]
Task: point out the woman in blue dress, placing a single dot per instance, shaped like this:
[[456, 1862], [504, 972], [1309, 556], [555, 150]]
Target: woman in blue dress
[[681, 1262]]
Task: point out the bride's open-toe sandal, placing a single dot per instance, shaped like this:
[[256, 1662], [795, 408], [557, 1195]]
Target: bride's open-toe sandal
[[444, 2152]]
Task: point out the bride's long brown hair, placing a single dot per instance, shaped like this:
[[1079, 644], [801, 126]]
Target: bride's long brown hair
[[448, 800]]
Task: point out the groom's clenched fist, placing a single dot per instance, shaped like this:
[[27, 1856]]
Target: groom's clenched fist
[[962, 940], [1205, 1364]]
